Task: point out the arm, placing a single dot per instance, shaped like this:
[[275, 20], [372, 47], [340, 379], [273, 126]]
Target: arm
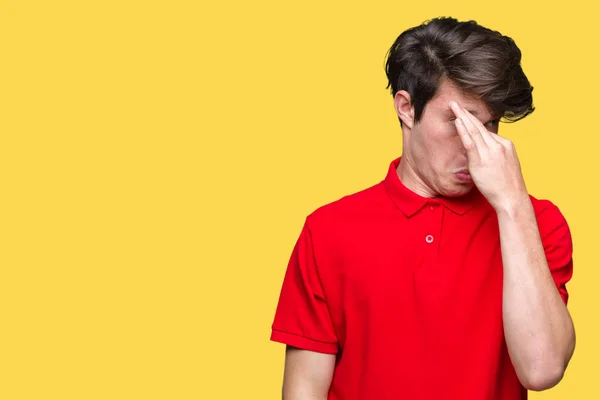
[[307, 374], [303, 322], [537, 325]]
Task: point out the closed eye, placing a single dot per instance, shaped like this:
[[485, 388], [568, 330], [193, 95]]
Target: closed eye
[[493, 123]]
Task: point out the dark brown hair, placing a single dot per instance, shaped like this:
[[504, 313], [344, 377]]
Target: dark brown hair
[[481, 62]]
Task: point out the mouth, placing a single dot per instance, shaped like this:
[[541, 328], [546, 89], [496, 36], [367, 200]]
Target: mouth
[[464, 176]]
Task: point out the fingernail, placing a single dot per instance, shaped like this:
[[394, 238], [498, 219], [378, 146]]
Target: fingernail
[[452, 104]]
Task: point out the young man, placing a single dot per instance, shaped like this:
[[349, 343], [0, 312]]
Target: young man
[[446, 280]]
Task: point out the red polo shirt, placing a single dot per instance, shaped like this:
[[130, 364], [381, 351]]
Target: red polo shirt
[[407, 291]]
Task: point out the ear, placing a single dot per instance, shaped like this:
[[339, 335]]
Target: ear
[[404, 108]]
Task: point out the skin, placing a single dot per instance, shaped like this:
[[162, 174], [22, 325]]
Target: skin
[[538, 328], [433, 153], [453, 148], [307, 374]]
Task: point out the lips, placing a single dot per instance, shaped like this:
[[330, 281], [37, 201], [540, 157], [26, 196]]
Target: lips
[[464, 176]]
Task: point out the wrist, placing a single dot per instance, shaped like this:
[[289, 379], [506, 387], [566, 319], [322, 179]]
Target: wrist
[[513, 206]]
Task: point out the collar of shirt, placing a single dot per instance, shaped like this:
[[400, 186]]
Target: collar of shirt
[[410, 203]]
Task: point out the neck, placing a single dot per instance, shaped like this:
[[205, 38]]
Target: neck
[[413, 182]]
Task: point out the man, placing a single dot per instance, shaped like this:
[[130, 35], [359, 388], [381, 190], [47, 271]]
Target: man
[[447, 279]]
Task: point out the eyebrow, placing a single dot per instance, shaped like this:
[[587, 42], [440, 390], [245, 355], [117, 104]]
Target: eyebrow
[[474, 112]]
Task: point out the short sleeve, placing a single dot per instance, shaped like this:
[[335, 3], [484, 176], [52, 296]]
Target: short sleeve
[[558, 246], [302, 318]]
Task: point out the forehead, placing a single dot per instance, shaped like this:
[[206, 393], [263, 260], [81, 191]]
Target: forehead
[[448, 92]]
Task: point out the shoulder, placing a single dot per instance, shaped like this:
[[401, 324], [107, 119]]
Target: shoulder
[[343, 208], [546, 211], [552, 224]]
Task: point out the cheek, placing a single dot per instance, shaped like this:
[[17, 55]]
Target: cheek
[[448, 151], [446, 140], [437, 144], [435, 135]]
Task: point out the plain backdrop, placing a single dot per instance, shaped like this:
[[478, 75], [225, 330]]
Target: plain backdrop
[[158, 158]]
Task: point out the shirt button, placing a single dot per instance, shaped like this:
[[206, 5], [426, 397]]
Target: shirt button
[[429, 238]]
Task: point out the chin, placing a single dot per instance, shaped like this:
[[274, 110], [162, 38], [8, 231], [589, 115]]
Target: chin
[[457, 190]]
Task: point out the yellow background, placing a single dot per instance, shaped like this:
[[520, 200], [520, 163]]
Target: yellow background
[[158, 159]]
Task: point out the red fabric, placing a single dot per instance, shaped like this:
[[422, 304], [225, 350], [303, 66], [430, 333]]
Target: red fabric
[[407, 291]]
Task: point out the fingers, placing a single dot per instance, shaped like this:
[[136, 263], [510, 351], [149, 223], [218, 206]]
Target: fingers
[[481, 136], [467, 140], [471, 128], [486, 135]]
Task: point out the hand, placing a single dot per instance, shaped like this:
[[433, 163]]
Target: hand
[[493, 162]]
